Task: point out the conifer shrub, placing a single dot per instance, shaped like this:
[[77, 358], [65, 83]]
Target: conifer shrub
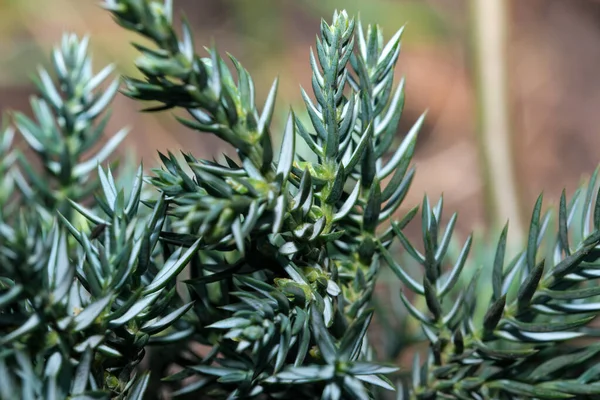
[[254, 277]]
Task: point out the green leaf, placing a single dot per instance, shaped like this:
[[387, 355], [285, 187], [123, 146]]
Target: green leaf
[[332, 392], [284, 347], [215, 79], [82, 374], [367, 368], [230, 323], [84, 168], [304, 374], [412, 310], [35, 179], [399, 271], [139, 387], [579, 293], [308, 138], [303, 343], [100, 77], [322, 337], [503, 354], [348, 117], [305, 192], [497, 273], [523, 389], [404, 151], [457, 268], [267, 113], [572, 261], [538, 337], [163, 323], [353, 337], [372, 45], [355, 388], [494, 314], [31, 133], [280, 214], [286, 157], [228, 94], [377, 381], [46, 86], [372, 208], [52, 371], [563, 231], [569, 361], [32, 323], [91, 342], [431, 298], [358, 64], [9, 296], [587, 206], [575, 388], [530, 285], [314, 115], [348, 204], [547, 326], [414, 253], [337, 189], [172, 268], [591, 374], [103, 100], [236, 230], [110, 193], [359, 151], [445, 241], [534, 229], [368, 168], [87, 317], [396, 198], [470, 296], [89, 214], [135, 310]]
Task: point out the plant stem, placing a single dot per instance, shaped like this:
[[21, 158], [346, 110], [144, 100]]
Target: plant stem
[[489, 27]]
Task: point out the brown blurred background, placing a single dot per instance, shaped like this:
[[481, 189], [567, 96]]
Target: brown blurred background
[[552, 58]]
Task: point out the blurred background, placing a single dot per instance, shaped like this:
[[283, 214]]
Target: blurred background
[[512, 88]]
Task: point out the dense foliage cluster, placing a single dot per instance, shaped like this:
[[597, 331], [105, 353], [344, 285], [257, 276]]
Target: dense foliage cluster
[[254, 277]]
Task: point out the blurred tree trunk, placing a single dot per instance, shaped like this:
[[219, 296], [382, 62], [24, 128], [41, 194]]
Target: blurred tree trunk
[[490, 45]]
